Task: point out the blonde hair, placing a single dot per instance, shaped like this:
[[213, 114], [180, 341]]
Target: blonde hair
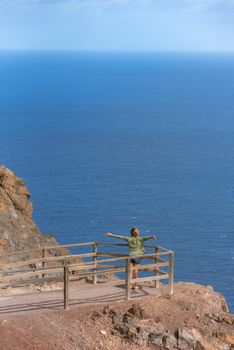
[[134, 232]]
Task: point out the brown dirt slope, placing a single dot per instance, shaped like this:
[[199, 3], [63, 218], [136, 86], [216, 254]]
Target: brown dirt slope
[[195, 317]]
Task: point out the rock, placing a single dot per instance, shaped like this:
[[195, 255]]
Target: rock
[[187, 338], [169, 341], [224, 304], [184, 305], [156, 338], [146, 313], [135, 311], [17, 228], [125, 327], [213, 344], [112, 313], [158, 319], [142, 313], [226, 337], [144, 333], [96, 315], [208, 345], [215, 317], [228, 319], [3, 246], [103, 332], [135, 329]]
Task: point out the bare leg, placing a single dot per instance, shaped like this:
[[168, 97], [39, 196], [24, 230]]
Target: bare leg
[[135, 272]]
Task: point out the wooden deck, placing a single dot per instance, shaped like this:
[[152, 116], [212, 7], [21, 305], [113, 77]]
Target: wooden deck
[[71, 267], [79, 295]]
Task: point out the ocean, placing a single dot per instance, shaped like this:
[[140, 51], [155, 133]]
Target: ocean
[[107, 141]]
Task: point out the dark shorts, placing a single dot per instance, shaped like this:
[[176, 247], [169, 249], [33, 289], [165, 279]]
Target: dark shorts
[[136, 261]]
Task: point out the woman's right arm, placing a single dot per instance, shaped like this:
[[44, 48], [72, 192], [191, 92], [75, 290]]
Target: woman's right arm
[[125, 238]]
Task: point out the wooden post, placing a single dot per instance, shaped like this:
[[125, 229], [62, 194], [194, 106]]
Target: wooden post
[[95, 263], [171, 273], [43, 262], [127, 279], [156, 283], [65, 285]]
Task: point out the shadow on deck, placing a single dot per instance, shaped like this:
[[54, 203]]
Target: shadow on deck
[[79, 296]]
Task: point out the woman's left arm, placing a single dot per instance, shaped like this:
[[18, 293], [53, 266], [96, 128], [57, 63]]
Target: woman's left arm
[[148, 237]]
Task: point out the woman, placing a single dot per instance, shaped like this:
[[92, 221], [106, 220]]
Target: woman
[[135, 247]]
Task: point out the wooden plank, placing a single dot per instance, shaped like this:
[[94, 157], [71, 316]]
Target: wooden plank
[[47, 247], [91, 266], [151, 278], [100, 272], [95, 263], [126, 257], [21, 263], [36, 270], [99, 266], [75, 245], [65, 286], [161, 260], [100, 261], [112, 244], [49, 259], [164, 250], [156, 283], [59, 258], [83, 244], [171, 274], [44, 254], [30, 274], [117, 282], [149, 266], [112, 254], [127, 281], [34, 280]]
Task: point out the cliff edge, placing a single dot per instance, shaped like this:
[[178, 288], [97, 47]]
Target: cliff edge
[[18, 231], [194, 318]]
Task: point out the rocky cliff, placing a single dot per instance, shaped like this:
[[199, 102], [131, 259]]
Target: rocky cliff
[[17, 228]]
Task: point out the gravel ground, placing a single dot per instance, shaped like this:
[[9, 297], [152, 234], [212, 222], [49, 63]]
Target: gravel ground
[[195, 317]]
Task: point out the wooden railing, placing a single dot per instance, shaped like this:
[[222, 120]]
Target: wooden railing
[[68, 267]]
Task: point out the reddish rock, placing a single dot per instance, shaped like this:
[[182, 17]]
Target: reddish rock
[[17, 228], [226, 337]]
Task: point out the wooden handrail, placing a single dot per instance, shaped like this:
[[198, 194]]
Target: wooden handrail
[[117, 257], [59, 246], [46, 259], [72, 245], [64, 265]]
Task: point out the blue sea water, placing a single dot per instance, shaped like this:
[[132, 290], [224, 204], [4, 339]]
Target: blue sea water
[[113, 140]]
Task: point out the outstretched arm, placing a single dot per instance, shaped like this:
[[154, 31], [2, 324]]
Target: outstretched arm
[[149, 237], [117, 236]]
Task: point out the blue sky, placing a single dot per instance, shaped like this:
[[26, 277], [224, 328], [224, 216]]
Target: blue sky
[[200, 25]]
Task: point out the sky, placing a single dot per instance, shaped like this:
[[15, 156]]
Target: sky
[[131, 25]]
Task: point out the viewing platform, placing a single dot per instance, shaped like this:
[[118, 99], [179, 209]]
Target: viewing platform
[[82, 273]]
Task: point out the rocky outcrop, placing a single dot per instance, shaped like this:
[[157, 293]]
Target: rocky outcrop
[[17, 228], [195, 318]]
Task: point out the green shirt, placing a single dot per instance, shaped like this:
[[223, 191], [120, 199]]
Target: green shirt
[[135, 244]]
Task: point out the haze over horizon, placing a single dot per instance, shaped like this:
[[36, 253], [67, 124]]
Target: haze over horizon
[[124, 25]]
